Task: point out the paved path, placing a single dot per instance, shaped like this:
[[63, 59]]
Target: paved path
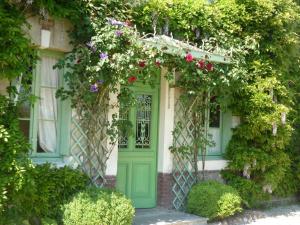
[[160, 216], [288, 215], [282, 215]]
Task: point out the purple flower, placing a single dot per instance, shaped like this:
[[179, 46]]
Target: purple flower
[[115, 22], [91, 46], [94, 88], [100, 82], [119, 33], [103, 56]]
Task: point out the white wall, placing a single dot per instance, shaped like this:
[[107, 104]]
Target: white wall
[[112, 163], [166, 126], [59, 38]]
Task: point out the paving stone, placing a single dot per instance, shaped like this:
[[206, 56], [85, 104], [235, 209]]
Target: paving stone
[[160, 216]]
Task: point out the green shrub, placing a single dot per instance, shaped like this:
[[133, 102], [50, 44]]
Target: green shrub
[[47, 221], [213, 200], [52, 188], [14, 160], [98, 206], [250, 191]]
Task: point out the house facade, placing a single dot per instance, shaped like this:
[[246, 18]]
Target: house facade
[[141, 165]]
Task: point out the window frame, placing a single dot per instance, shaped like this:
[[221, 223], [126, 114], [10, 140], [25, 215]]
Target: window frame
[[62, 108], [225, 135]]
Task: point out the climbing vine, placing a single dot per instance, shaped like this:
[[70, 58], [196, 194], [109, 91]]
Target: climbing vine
[[260, 86], [265, 97]]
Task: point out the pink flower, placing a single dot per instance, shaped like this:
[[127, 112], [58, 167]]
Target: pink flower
[[142, 64], [128, 23], [201, 64], [209, 67], [189, 57], [132, 79]]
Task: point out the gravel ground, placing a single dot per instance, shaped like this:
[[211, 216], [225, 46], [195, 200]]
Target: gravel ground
[[283, 215]]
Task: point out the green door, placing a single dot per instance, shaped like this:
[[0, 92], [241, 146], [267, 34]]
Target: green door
[[136, 176]]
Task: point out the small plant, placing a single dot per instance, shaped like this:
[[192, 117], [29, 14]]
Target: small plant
[[213, 200], [98, 206]]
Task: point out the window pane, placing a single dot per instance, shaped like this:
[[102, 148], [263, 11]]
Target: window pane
[[25, 126], [24, 110], [49, 76], [47, 123], [47, 135], [214, 118], [143, 121], [48, 104], [215, 136]]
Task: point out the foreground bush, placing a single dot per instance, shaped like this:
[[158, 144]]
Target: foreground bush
[[98, 206], [14, 160], [53, 187], [213, 200]]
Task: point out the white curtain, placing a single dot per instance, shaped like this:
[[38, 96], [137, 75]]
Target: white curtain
[[47, 124]]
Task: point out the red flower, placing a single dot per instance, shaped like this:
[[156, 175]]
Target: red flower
[[201, 64], [157, 63], [209, 67], [78, 61], [142, 64], [132, 79], [189, 57]]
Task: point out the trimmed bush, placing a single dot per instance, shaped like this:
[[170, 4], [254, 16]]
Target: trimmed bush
[[98, 206], [213, 200]]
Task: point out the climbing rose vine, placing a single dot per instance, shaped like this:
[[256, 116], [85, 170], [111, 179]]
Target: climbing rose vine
[[114, 57]]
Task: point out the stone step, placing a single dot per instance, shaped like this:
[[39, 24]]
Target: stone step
[[161, 216]]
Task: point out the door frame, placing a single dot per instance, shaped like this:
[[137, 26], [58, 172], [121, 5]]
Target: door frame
[[138, 87]]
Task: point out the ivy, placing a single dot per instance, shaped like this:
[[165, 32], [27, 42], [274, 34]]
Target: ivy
[[264, 93], [17, 53], [260, 86]]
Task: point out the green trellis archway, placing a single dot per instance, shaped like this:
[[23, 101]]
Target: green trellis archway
[[183, 173]]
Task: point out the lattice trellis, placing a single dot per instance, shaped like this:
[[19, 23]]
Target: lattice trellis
[[184, 177], [88, 162]]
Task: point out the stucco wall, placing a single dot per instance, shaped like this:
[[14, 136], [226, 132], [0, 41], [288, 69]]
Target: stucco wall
[[59, 39], [3, 86]]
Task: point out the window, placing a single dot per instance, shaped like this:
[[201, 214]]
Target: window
[[215, 132], [220, 132], [42, 121]]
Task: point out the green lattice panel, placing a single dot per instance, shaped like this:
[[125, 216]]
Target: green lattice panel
[[182, 173], [80, 158]]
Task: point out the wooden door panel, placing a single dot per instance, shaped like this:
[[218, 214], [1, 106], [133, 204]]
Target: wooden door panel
[[137, 171], [123, 176]]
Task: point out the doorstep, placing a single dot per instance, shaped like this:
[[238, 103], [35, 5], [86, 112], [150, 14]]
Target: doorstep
[[161, 216]]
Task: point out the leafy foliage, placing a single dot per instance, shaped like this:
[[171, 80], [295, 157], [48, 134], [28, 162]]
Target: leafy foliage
[[265, 35], [49, 189], [52, 188], [98, 206], [113, 57], [14, 161], [17, 53], [213, 200]]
